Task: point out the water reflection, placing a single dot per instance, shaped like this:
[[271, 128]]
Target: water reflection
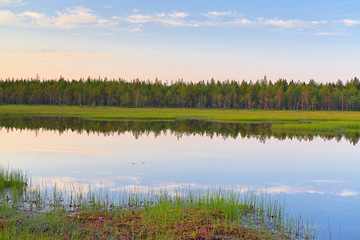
[[260, 131], [316, 178]]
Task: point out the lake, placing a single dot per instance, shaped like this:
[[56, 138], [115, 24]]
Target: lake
[[316, 175]]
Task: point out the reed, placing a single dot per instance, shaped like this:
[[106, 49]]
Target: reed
[[12, 179]]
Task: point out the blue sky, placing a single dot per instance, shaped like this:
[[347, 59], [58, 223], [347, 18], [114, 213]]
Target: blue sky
[[192, 40]]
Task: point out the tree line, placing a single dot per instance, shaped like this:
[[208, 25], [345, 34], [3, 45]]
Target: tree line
[[260, 94]]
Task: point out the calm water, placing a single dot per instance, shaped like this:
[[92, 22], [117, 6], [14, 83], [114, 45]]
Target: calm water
[[317, 176]]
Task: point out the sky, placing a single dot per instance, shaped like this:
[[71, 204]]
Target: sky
[[192, 40]]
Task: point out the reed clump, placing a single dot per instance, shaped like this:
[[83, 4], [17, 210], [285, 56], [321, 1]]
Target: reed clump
[[12, 179]]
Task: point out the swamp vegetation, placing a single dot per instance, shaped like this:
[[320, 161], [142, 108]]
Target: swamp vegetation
[[53, 212], [179, 128], [35, 212], [303, 125]]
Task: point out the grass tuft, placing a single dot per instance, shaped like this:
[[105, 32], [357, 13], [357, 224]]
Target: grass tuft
[[12, 179]]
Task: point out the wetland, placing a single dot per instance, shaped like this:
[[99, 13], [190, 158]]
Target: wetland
[[312, 172]]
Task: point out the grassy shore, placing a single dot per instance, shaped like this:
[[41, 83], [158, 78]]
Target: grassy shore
[[34, 213], [282, 120], [11, 179]]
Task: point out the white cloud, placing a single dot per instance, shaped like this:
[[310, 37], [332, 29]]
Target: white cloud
[[236, 22], [7, 17], [74, 17], [170, 19], [350, 22], [292, 23], [242, 21], [178, 15], [330, 33], [215, 14], [181, 19], [32, 15], [11, 2], [71, 18], [138, 18], [25, 19], [82, 17], [162, 14]]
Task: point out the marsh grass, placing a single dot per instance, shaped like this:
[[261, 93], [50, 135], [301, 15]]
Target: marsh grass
[[340, 121], [230, 115], [169, 213], [12, 179]]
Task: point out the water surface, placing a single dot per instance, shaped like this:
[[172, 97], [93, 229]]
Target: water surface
[[316, 174]]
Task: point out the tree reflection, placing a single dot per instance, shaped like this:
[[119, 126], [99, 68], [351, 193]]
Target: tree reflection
[[180, 128]]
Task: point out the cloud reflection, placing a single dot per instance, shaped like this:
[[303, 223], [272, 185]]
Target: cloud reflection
[[326, 181], [348, 193], [133, 184], [292, 190]]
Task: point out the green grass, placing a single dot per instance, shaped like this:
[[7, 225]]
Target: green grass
[[116, 113], [11, 178], [282, 120], [216, 213], [305, 120]]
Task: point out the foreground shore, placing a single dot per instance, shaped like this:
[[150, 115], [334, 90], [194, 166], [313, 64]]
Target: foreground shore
[[35, 212]]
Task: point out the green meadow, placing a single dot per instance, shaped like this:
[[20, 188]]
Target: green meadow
[[330, 121]]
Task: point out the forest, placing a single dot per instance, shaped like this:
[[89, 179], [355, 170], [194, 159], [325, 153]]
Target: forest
[[260, 94]]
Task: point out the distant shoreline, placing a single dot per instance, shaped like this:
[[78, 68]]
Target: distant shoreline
[[334, 121]]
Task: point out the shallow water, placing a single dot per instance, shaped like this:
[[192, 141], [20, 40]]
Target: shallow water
[[318, 178]]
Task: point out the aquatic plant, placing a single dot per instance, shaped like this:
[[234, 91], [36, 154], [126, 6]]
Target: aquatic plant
[[12, 179], [168, 213]]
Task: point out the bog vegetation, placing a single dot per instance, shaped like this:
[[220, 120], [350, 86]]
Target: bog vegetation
[[262, 131], [262, 94], [32, 212]]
